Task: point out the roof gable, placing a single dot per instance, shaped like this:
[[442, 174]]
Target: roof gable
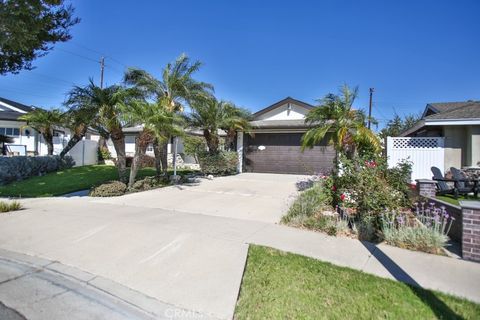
[[452, 110], [13, 106], [285, 109]]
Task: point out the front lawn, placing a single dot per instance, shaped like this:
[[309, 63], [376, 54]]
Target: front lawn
[[66, 181], [278, 285]]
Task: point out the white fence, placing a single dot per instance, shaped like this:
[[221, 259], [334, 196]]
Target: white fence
[[423, 152], [84, 153]]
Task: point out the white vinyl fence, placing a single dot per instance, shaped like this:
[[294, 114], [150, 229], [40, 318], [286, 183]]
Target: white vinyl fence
[[423, 152], [84, 153]]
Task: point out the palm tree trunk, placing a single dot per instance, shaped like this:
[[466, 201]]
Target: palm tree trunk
[[164, 155], [76, 138], [49, 142], [212, 141], [158, 160], [118, 140], [140, 151]]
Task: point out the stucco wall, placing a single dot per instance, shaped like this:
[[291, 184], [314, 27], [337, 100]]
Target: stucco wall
[[282, 113], [455, 146]]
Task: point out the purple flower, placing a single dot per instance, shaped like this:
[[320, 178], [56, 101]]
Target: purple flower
[[400, 220]]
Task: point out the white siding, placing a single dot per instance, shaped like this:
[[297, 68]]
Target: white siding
[[283, 113]]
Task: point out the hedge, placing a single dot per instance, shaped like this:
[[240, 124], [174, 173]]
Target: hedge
[[222, 163], [22, 167]]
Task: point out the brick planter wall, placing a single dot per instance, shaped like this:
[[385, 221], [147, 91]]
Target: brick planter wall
[[455, 232], [471, 230], [426, 188]]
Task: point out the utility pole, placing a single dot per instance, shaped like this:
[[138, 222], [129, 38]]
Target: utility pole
[[102, 68], [370, 107]]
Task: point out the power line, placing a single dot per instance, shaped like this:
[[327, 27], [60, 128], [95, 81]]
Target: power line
[[100, 53], [78, 55]]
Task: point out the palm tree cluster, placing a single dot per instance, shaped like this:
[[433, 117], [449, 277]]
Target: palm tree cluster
[[157, 105]]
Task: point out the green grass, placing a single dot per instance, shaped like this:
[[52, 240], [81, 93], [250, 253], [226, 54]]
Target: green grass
[[450, 199], [66, 181], [278, 285]]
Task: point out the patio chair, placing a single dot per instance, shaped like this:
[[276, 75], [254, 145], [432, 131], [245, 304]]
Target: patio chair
[[442, 186], [464, 184]]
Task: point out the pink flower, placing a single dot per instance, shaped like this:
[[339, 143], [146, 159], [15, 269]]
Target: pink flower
[[342, 196], [334, 188]]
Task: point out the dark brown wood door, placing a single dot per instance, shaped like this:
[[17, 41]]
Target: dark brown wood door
[[281, 153]]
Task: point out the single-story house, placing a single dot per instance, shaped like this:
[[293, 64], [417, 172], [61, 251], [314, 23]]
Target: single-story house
[[27, 141], [274, 144], [459, 124]]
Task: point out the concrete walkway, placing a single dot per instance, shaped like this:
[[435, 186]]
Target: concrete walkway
[[194, 260]]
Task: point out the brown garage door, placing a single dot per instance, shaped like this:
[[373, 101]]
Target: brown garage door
[[281, 153]]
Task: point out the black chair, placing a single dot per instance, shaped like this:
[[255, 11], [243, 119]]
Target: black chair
[[464, 184], [442, 186]]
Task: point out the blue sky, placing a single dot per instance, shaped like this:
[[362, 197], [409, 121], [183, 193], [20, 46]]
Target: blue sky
[[258, 52]]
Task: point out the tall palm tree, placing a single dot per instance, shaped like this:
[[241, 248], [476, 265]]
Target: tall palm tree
[[104, 105], [173, 92], [336, 120], [44, 121], [210, 115], [157, 124]]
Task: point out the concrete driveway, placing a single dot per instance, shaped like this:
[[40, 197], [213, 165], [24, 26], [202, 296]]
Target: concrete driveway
[[250, 196], [184, 246]]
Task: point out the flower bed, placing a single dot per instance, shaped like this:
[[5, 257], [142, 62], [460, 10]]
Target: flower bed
[[371, 202]]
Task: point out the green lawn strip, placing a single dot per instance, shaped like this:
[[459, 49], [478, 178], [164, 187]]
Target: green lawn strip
[[278, 285], [66, 181], [451, 199]]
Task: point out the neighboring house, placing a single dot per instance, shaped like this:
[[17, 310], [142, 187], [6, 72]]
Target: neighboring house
[[459, 124], [274, 145], [28, 141], [132, 132]]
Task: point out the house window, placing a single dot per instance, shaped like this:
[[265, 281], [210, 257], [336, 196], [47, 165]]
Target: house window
[[58, 133], [150, 148], [11, 132]]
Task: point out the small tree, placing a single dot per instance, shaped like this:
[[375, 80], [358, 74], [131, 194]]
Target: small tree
[[210, 115], [44, 121], [193, 146], [29, 28], [335, 119]]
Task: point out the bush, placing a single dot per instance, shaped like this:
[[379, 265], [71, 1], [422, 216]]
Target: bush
[[10, 206], [221, 163], [104, 154], [21, 167], [428, 232], [109, 189], [149, 183], [308, 203]]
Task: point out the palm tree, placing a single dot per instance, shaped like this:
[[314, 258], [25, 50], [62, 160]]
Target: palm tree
[[44, 121], [210, 115], [173, 92], [4, 139], [336, 120], [104, 105], [78, 118], [158, 124]]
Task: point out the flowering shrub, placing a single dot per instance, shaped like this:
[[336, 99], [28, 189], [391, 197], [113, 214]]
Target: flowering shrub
[[427, 231]]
